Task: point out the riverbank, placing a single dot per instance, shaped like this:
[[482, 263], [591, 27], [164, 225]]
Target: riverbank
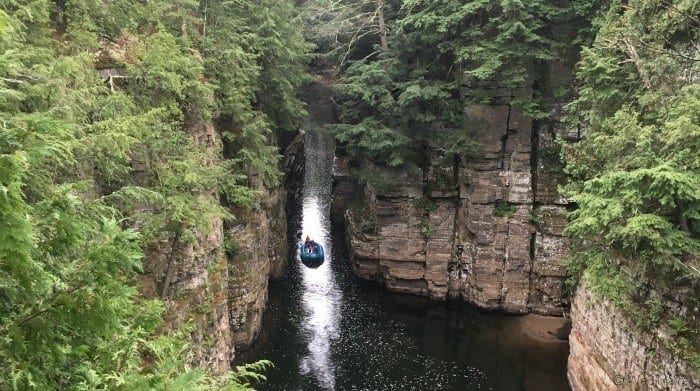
[[548, 329]]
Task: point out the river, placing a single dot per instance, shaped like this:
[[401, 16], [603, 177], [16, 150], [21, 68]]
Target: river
[[324, 329]]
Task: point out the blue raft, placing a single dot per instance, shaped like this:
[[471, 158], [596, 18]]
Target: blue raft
[[309, 254]]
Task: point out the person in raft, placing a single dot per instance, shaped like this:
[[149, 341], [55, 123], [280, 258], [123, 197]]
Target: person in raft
[[311, 246]]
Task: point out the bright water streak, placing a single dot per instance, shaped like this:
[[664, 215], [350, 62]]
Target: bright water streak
[[321, 297]]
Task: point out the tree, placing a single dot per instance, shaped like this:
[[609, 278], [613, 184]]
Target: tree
[[637, 102], [410, 95], [635, 176], [76, 216], [258, 72], [341, 28]]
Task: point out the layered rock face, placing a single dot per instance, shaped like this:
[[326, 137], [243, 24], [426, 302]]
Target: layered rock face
[[192, 279], [261, 236], [222, 291], [487, 228], [250, 267], [196, 292], [609, 352]]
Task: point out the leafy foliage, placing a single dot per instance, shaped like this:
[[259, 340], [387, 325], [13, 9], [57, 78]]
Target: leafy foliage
[[401, 101], [91, 172], [259, 70], [503, 209], [488, 39], [637, 170], [635, 177], [342, 29]]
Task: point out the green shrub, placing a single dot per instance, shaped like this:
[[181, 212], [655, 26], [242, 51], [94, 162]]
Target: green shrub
[[503, 209]]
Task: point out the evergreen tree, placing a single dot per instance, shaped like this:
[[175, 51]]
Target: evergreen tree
[[75, 216], [342, 29], [258, 73], [635, 176], [408, 97]]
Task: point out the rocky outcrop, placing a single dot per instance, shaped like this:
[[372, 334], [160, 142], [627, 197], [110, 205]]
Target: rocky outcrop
[[487, 229], [218, 282], [261, 250], [249, 269], [608, 351], [192, 278], [196, 293]]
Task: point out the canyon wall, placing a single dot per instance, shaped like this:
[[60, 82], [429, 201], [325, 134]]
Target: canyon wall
[[196, 293], [609, 352], [192, 276], [486, 228], [257, 255], [222, 291], [261, 236], [218, 283]]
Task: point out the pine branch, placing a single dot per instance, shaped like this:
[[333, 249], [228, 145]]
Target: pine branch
[[51, 305]]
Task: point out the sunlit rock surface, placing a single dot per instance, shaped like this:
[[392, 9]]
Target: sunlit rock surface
[[487, 229]]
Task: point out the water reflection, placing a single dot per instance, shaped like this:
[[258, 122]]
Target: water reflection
[[320, 294], [326, 330]]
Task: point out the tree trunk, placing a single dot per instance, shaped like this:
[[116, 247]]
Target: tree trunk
[[382, 26], [171, 267]]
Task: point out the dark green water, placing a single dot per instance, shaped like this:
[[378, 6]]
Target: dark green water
[[326, 330]]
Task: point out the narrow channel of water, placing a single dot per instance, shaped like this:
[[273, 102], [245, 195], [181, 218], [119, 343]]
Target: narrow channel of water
[[324, 329]]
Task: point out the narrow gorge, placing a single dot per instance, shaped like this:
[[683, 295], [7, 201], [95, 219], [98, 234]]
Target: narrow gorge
[[507, 193]]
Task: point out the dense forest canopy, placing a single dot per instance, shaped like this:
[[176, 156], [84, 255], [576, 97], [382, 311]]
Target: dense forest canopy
[[93, 169], [408, 90]]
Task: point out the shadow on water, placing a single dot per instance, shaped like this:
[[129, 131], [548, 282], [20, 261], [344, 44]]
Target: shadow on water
[[324, 329]]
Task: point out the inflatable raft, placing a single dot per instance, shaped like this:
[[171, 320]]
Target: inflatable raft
[[312, 253]]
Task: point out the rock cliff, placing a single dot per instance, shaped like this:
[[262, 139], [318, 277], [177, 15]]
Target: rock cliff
[[261, 237], [196, 294], [212, 278], [250, 267], [219, 287], [609, 352], [192, 277], [486, 228]]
